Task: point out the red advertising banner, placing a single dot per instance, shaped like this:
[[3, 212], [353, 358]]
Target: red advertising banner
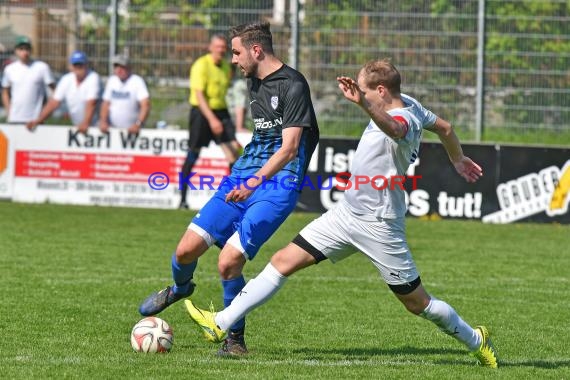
[[110, 167], [60, 165]]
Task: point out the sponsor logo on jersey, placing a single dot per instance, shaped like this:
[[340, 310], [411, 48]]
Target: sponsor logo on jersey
[[261, 123]]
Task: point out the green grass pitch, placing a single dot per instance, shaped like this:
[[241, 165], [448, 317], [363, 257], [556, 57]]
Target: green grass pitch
[[71, 279]]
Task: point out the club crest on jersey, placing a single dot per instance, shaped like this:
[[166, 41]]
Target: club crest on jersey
[[274, 102]]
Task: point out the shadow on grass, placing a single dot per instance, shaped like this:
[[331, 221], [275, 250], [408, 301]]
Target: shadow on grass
[[405, 354], [365, 353], [542, 364], [536, 363], [369, 353]]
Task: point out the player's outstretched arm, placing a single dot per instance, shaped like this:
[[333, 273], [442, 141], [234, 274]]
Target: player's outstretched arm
[[381, 118], [464, 166]]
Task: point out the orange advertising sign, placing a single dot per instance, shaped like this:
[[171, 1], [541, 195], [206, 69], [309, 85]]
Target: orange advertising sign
[[3, 152]]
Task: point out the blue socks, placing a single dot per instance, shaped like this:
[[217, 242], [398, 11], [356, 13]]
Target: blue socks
[[182, 274], [231, 289]]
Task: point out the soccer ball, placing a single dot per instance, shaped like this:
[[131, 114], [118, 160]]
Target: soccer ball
[[152, 334]]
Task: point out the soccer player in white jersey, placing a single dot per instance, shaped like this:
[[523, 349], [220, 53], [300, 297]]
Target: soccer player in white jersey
[[369, 219], [80, 89], [24, 84], [126, 100]]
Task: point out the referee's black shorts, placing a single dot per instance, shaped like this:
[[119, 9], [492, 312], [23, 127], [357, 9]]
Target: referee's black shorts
[[200, 132]]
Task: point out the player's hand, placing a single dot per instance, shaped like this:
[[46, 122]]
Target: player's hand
[[350, 89], [468, 169], [238, 195], [242, 191], [216, 126]]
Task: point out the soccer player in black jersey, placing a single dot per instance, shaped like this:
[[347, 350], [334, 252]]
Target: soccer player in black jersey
[[264, 184]]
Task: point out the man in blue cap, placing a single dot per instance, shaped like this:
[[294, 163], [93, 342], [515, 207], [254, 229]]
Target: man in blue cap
[[80, 89], [24, 84]]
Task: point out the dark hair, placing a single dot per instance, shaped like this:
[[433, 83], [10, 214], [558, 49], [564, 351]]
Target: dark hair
[[382, 72], [254, 33]]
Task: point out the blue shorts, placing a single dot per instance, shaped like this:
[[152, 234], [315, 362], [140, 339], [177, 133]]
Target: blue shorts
[[255, 219]]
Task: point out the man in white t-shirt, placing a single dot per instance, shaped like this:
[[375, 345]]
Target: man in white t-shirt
[[24, 84], [126, 101], [370, 218], [80, 89]]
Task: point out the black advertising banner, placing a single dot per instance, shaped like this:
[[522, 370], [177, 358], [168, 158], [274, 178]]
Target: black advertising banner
[[449, 195], [518, 183], [332, 156], [533, 185]]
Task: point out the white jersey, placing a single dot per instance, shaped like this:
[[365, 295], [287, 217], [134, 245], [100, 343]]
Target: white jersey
[[387, 159], [27, 83], [426, 117], [124, 98], [76, 94]]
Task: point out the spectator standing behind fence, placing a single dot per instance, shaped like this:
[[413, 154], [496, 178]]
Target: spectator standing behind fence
[[80, 89], [126, 101], [210, 78], [24, 84]]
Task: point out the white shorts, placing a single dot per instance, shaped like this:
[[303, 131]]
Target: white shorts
[[339, 233]]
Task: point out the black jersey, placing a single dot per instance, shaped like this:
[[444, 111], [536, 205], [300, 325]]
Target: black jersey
[[281, 100]]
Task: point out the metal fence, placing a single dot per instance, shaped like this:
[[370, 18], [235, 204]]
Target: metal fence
[[499, 65]]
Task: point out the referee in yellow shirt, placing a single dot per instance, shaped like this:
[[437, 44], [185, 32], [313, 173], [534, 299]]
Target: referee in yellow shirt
[[210, 78]]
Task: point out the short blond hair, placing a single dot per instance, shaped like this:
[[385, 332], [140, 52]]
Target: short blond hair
[[381, 72]]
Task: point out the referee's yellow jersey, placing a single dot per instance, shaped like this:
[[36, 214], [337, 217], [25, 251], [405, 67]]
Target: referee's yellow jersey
[[212, 79]]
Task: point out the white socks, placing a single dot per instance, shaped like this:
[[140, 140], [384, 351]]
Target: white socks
[[255, 293], [447, 319], [260, 289]]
